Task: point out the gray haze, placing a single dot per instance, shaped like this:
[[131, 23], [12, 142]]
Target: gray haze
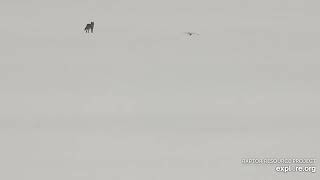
[[139, 99]]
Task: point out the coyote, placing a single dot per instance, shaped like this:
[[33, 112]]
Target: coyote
[[89, 27]]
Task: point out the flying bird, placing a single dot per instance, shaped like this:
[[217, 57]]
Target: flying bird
[[191, 33]]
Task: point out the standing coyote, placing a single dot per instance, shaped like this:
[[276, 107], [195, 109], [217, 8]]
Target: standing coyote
[[89, 27]]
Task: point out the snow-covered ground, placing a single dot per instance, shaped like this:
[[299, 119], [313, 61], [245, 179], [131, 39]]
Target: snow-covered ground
[[139, 99]]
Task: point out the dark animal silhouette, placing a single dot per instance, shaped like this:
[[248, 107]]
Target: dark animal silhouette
[[191, 33], [89, 27]]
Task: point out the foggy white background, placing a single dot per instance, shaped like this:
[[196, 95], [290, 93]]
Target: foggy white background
[[139, 99]]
